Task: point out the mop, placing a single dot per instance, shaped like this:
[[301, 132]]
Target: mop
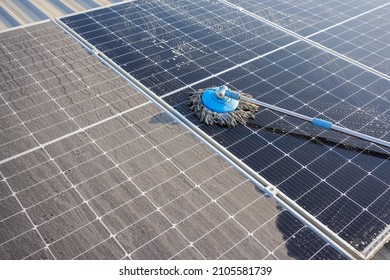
[[221, 111], [224, 107]]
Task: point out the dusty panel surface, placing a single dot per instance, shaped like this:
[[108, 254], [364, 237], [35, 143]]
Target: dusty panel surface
[[51, 87]]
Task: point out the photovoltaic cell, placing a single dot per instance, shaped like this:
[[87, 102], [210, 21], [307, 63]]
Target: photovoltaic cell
[[339, 180]]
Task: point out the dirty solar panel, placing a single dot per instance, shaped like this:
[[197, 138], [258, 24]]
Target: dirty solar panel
[[50, 86]]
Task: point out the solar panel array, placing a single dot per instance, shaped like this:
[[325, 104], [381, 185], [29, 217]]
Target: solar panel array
[[176, 47], [91, 169]]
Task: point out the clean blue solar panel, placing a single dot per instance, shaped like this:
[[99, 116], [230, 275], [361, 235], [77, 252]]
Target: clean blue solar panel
[[306, 17], [365, 39], [357, 29], [203, 45], [176, 47]]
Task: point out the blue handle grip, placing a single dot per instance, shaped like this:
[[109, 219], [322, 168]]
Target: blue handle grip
[[321, 123], [232, 94]]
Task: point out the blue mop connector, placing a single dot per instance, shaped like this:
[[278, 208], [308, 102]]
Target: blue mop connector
[[232, 94], [220, 99], [321, 123]]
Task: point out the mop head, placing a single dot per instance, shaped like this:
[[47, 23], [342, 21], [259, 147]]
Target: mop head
[[240, 115]]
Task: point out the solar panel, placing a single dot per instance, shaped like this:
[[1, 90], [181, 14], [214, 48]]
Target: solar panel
[[356, 29], [173, 48], [91, 169]]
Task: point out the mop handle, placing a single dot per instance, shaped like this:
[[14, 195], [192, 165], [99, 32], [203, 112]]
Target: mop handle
[[315, 121]]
